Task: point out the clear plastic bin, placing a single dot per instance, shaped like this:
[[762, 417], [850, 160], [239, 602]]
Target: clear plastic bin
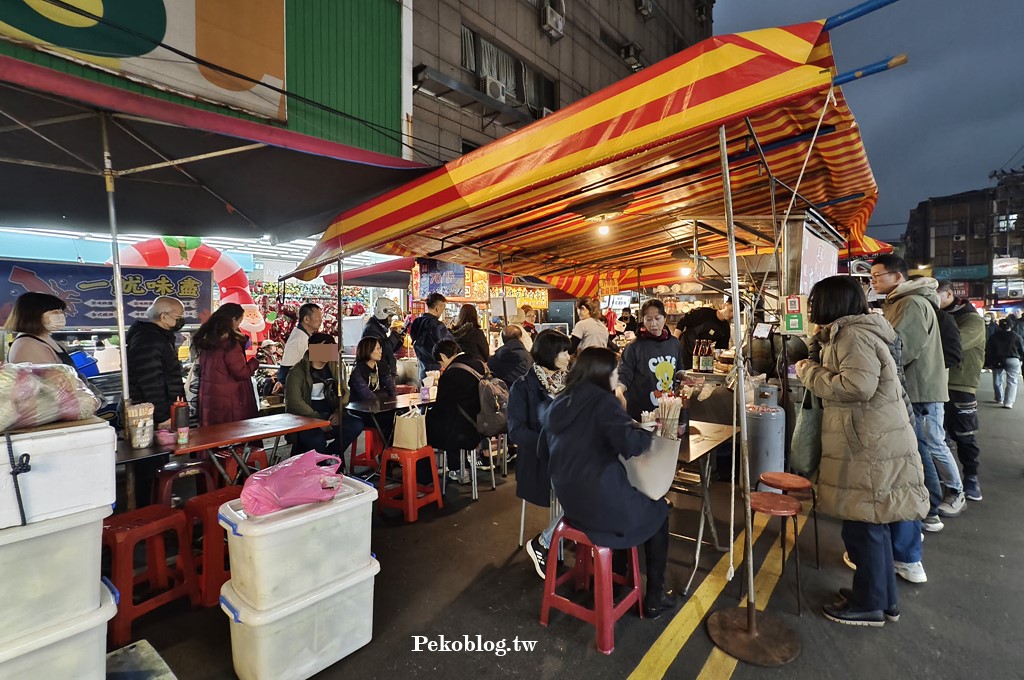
[[70, 650], [49, 571], [284, 555], [301, 637]]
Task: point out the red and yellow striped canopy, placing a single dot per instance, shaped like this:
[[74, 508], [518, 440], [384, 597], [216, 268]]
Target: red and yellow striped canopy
[[644, 152]]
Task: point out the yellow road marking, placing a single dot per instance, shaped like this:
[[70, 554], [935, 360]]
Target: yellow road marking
[[666, 648]]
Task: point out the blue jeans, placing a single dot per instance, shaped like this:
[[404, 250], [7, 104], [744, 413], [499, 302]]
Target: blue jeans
[[874, 582], [1010, 374], [906, 541], [545, 536], [931, 442]]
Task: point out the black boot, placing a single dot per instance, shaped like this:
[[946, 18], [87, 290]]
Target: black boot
[[658, 601]]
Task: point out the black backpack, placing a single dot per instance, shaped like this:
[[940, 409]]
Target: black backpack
[[952, 350], [493, 417]]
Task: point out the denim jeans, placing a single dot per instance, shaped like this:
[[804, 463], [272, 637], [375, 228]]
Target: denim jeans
[[1011, 374], [874, 582], [545, 536], [931, 442], [906, 541], [931, 477]]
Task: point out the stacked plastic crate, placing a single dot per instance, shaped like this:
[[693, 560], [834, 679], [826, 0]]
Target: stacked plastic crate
[[300, 596], [55, 608]]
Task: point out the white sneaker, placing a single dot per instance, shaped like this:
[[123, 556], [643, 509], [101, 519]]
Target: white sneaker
[[911, 571], [932, 524], [953, 505]]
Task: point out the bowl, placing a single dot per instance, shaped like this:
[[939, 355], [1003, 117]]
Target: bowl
[[166, 437]]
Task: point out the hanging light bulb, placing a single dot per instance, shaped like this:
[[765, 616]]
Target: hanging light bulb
[[686, 271], [603, 230]]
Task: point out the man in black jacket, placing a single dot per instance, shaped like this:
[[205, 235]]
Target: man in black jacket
[[426, 331], [379, 326], [154, 372], [512, 360]]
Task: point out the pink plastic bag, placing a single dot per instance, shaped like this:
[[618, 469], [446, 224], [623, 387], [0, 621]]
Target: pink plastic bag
[[296, 481]]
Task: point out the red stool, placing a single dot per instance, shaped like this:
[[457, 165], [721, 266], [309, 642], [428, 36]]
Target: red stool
[[407, 496], [121, 533], [258, 460], [210, 567], [373, 449], [175, 471], [783, 507], [788, 483], [591, 560]]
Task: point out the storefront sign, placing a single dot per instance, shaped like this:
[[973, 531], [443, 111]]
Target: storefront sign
[[243, 36], [535, 297], [477, 283], [442, 277], [89, 292], [1005, 266], [978, 271], [960, 289], [607, 286]]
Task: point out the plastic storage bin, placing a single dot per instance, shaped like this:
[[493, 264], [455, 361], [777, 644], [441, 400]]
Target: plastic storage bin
[[284, 555], [69, 650], [303, 636], [49, 571], [85, 364], [72, 471]]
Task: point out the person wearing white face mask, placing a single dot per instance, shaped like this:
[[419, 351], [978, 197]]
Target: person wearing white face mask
[[528, 399], [35, 318], [154, 372]]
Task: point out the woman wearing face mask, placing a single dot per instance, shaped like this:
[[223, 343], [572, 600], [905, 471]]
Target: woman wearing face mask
[[586, 431], [226, 393], [35, 318], [528, 399], [650, 363]]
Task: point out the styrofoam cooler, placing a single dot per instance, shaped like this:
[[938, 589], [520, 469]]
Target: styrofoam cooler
[[49, 571], [284, 555], [302, 636], [73, 649], [72, 470]]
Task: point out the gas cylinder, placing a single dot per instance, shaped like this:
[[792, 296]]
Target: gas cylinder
[[766, 432]]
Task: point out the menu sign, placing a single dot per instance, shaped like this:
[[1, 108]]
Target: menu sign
[[535, 297]]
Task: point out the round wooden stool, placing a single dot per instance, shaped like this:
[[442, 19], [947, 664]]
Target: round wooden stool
[[783, 507], [786, 483]]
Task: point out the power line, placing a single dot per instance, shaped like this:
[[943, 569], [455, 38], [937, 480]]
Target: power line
[[1013, 156]]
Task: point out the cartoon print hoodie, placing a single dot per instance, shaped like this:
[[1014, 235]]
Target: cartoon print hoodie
[[648, 368]]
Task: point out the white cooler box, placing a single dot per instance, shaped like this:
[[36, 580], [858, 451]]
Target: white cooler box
[[69, 650], [284, 555], [301, 637], [49, 571], [72, 470]]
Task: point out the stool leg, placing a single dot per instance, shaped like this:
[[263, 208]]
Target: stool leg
[[120, 628], [472, 475], [156, 562], [494, 484], [410, 494], [782, 541], [522, 523], [814, 514], [796, 547], [603, 604], [444, 472]]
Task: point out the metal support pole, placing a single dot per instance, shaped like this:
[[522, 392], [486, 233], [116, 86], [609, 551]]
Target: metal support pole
[[734, 631], [115, 257], [504, 297], [341, 362]]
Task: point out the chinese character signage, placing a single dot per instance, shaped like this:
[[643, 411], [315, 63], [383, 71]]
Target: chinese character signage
[[245, 37], [89, 292], [442, 277], [535, 297], [607, 286], [977, 271]]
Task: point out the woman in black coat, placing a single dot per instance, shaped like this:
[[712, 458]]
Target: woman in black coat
[[458, 391], [586, 431], [469, 335], [527, 400]]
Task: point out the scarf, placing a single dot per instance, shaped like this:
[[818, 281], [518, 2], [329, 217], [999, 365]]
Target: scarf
[[645, 334], [552, 381]]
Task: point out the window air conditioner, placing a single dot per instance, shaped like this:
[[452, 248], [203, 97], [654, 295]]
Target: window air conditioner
[[959, 237], [1015, 293], [631, 55], [493, 88], [645, 8], [552, 22]]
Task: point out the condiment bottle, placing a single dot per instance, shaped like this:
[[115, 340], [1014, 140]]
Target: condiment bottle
[[180, 420]]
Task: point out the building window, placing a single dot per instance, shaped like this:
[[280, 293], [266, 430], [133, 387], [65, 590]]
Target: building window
[[523, 85], [468, 50]]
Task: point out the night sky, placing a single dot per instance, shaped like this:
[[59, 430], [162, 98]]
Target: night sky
[[941, 123]]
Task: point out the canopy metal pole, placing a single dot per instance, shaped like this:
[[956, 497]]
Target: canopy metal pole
[[341, 361], [733, 630], [504, 297], [115, 257]]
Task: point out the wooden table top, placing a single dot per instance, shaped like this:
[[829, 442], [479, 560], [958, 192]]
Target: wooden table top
[[225, 434], [704, 437], [402, 401]]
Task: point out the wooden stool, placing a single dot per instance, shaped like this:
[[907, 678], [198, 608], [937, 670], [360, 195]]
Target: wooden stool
[[373, 448], [121, 533], [787, 483], [591, 561], [783, 507], [409, 496], [163, 486], [210, 567]]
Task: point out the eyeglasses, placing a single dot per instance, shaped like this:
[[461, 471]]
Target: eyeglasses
[[875, 277]]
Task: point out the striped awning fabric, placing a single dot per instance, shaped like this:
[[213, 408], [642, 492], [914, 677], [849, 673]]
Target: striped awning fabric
[[644, 154]]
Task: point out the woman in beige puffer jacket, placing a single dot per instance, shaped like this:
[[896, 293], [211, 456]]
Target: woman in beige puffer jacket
[[870, 474]]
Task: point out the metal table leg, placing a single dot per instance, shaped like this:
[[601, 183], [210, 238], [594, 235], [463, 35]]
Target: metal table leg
[[212, 457]]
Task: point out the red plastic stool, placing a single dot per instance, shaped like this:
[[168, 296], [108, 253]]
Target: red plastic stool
[[591, 560], [121, 533], [210, 567], [178, 470], [373, 449], [258, 460], [788, 483], [408, 496], [783, 507]]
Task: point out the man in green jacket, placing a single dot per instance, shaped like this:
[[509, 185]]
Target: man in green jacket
[[962, 408]]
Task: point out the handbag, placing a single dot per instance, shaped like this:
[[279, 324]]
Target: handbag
[[651, 473], [805, 452], [411, 430]]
